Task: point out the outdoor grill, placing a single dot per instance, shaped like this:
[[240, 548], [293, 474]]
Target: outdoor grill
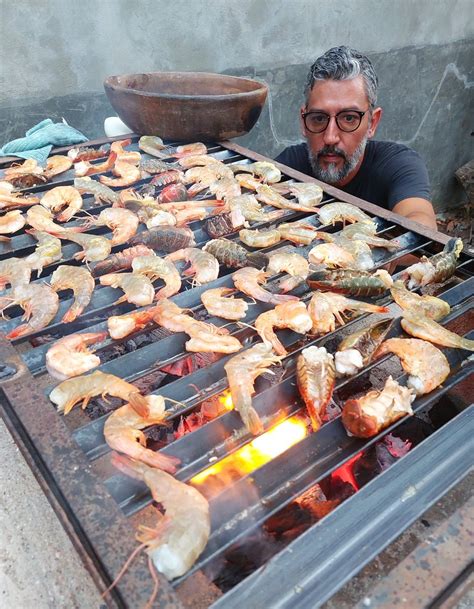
[[287, 531]]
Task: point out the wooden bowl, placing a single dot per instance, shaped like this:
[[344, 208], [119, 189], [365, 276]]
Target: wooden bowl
[[187, 106]]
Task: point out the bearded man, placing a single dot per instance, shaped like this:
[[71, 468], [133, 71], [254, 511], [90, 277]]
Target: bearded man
[[338, 121]]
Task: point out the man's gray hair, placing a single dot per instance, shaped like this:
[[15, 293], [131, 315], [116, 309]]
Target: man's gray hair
[[344, 63]]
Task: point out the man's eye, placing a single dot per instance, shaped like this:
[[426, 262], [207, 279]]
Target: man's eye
[[318, 119], [349, 118]]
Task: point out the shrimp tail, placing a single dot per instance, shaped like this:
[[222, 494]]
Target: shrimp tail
[[467, 344], [139, 404], [252, 421]]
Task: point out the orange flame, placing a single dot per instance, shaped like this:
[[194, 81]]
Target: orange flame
[[256, 453], [226, 400]]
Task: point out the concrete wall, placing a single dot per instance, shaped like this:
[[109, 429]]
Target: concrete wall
[[56, 53]]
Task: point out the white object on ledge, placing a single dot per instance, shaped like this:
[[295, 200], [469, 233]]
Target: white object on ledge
[[114, 126]]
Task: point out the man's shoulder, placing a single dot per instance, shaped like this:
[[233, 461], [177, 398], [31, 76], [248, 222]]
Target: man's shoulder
[[385, 150], [295, 157]]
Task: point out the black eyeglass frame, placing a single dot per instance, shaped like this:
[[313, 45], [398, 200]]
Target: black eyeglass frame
[[329, 116]]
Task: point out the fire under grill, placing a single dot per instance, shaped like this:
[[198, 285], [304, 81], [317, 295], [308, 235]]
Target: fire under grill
[[276, 539]]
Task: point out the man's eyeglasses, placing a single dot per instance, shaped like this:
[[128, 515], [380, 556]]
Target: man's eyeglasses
[[346, 120]]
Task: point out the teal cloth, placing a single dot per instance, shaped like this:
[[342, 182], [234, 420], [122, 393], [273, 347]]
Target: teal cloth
[[40, 139]]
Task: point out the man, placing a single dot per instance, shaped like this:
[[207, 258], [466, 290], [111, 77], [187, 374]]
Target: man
[[338, 121]]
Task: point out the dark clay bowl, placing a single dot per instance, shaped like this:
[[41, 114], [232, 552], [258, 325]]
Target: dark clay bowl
[[188, 106]]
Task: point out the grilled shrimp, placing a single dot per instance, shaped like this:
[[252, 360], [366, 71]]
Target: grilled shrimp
[[165, 238], [122, 432], [80, 281], [325, 308], [181, 535], [27, 167], [155, 268], [248, 281], [233, 255], [121, 261], [129, 156], [331, 255], [47, 251], [66, 198], [87, 153], [40, 303], [203, 337], [82, 388], [351, 281], [436, 269], [9, 199], [268, 172], [308, 195], [11, 222], [100, 191], [14, 271], [207, 338], [40, 218], [96, 248], [69, 356], [242, 371], [315, 377], [247, 181], [57, 164], [173, 193], [270, 196], [138, 288], [184, 216], [298, 232], [155, 166], [151, 144], [365, 231], [292, 315], [227, 308], [425, 328], [293, 264], [260, 238], [430, 306], [204, 266], [425, 363], [357, 349], [122, 222], [366, 416], [127, 174], [342, 212], [196, 160], [225, 188], [84, 168], [251, 209], [120, 326]]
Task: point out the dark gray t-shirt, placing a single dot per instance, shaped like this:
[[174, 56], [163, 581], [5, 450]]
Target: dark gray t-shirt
[[389, 172]]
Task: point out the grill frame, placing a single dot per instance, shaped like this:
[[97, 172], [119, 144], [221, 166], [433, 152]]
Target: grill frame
[[94, 520]]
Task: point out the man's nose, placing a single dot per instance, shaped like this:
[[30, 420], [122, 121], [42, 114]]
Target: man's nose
[[331, 135]]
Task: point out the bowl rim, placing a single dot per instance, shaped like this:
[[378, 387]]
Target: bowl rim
[[263, 86]]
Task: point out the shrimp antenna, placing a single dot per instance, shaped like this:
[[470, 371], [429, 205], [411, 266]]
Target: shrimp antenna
[[245, 325], [151, 600], [126, 565], [176, 401]]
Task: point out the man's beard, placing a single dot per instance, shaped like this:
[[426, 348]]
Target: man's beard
[[333, 175]]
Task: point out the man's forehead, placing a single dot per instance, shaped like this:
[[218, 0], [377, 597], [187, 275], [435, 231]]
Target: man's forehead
[[334, 95]]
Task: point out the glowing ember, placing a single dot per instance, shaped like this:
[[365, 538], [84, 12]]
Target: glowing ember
[[254, 454], [346, 472], [226, 399]]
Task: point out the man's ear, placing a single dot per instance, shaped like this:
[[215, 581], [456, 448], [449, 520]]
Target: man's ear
[[302, 127], [376, 116]]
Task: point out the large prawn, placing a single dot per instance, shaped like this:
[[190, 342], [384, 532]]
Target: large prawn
[[82, 388], [40, 303], [248, 281], [292, 315], [242, 370], [122, 432], [70, 356], [80, 281], [316, 377]]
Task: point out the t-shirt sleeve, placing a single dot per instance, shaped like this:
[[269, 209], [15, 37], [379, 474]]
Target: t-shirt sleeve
[[408, 178]]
